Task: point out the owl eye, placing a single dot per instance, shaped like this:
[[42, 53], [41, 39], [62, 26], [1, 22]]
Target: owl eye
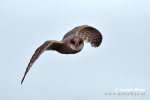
[[72, 42], [80, 42]]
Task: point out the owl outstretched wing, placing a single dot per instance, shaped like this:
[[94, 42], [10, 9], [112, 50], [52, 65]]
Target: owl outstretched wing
[[48, 45]]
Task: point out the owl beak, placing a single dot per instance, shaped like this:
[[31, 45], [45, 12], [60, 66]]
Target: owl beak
[[77, 45]]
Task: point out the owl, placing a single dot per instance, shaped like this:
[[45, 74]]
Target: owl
[[72, 43]]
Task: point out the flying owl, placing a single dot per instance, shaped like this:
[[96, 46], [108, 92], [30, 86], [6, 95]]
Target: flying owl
[[72, 43]]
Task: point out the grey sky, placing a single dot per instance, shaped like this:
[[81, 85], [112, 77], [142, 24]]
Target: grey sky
[[122, 61]]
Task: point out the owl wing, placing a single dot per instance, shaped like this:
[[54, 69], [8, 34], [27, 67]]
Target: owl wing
[[48, 45], [90, 34]]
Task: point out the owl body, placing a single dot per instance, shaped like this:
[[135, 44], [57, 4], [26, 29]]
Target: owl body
[[72, 43], [67, 47], [65, 50]]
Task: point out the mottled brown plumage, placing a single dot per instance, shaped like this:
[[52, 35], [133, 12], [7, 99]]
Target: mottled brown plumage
[[72, 42]]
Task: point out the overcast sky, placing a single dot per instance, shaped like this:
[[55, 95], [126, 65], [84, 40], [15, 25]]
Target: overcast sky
[[122, 61]]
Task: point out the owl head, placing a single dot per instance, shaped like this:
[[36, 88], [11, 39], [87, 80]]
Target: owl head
[[76, 43]]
